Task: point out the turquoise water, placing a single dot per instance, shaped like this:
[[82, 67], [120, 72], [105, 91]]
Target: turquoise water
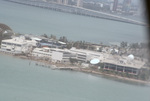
[[32, 20], [20, 81]]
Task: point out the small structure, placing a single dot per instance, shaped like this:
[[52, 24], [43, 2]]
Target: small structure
[[131, 57], [94, 61]]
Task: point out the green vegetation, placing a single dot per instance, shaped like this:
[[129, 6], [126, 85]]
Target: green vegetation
[[73, 60], [123, 44], [144, 74]]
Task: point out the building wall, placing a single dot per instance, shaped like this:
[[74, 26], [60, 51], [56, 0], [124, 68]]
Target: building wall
[[124, 69], [81, 57], [79, 3], [41, 54], [11, 46], [57, 56]]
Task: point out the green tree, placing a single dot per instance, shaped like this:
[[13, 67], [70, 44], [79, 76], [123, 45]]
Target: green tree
[[144, 74], [134, 45], [53, 37], [44, 35], [72, 60], [123, 44], [63, 39]]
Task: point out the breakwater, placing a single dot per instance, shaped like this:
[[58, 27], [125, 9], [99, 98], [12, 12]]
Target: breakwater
[[76, 10]]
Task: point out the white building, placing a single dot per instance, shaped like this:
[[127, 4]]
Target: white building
[[123, 64], [17, 45], [42, 52], [56, 55], [85, 55]]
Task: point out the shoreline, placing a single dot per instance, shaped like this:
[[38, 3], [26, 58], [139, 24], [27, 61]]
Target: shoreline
[[61, 66], [117, 77]]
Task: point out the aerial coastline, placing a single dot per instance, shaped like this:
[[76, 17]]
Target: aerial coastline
[[61, 54], [49, 54], [54, 66]]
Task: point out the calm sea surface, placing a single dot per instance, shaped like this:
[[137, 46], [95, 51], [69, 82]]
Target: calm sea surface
[[20, 81], [32, 20]]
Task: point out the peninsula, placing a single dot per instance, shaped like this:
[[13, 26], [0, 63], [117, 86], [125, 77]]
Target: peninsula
[[124, 61]]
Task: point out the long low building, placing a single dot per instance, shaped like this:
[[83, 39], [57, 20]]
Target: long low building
[[65, 54], [56, 55], [86, 55], [124, 64]]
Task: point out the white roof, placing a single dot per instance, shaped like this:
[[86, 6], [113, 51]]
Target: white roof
[[46, 48], [14, 41], [20, 41], [131, 57], [63, 43], [34, 38], [122, 61], [94, 61], [88, 52]]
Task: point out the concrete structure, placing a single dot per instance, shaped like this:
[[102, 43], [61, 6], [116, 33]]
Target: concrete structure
[[85, 55], [56, 55], [42, 52], [63, 55], [17, 45], [126, 5], [123, 64], [115, 4], [79, 3], [65, 2]]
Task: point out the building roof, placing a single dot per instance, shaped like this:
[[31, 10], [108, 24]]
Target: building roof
[[20, 41], [14, 41], [123, 61], [88, 52]]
